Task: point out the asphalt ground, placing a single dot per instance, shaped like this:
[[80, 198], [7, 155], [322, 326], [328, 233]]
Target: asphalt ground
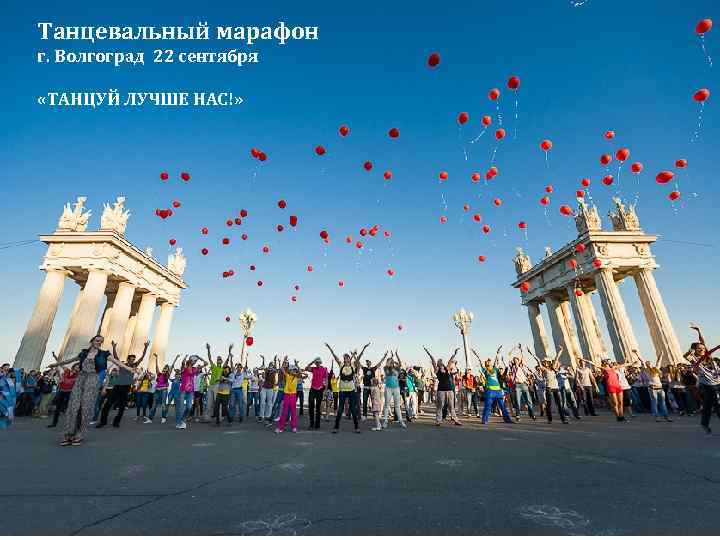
[[594, 477]]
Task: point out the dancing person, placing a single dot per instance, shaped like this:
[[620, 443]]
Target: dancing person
[[493, 391], [253, 395], [222, 396], [162, 383], [392, 390], [548, 369], [346, 387], [658, 407], [368, 374], [216, 371], [238, 378], [707, 369], [188, 374], [289, 406], [376, 399], [120, 386], [445, 394], [318, 383], [93, 361], [586, 384], [565, 375], [62, 396], [520, 377], [143, 391]]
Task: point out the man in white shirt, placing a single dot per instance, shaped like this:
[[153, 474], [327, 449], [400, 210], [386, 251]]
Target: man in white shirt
[[586, 381]]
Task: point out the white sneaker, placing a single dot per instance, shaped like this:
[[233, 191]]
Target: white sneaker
[[182, 426], [163, 420], [147, 421], [376, 428], [294, 430], [277, 419], [93, 422]]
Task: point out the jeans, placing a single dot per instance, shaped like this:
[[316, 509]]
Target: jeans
[[288, 407], [352, 397], [443, 398], [267, 398], [237, 400], [365, 398], [551, 394], [142, 399], [588, 405], [314, 402], [277, 405], [118, 395], [470, 399], [183, 404], [253, 398], [495, 396], [657, 402], [521, 391], [394, 395], [160, 399], [567, 397]]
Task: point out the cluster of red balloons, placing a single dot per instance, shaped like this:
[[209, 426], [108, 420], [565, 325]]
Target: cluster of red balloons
[[228, 273], [258, 154], [163, 213]]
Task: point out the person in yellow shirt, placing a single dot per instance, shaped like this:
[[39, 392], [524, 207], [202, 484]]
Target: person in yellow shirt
[[289, 404]]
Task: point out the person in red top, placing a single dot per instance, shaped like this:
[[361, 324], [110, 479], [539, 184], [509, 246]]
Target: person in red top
[[613, 389], [65, 386], [317, 388], [468, 386]]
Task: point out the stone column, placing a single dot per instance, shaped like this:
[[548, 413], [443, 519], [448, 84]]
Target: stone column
[[32, 347], [105, 321], [143, 323], [658, 320], [82, 325], [162, 334], [73, 313], [596, 326], [537, 327], [619, 327], [587, 333], [562, 336], [120, 315]]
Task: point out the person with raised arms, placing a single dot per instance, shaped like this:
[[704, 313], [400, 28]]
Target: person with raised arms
[[346, 386], [445, 393]]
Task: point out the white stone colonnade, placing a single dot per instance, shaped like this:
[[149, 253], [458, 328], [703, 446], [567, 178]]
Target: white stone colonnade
[[565, 280], [107, 268]]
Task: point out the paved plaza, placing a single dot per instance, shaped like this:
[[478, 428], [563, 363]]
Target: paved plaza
[[594, 476]]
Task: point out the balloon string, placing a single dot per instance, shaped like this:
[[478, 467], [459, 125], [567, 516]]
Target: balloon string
[[547, 163], [494, 153], [516, 118], [704, 50], [696, 135], [637, 190], [476, 139], [497, 110]]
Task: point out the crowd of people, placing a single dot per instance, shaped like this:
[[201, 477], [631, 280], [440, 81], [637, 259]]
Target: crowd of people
[[88, 388]]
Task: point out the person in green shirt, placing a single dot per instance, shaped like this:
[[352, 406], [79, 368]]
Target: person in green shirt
[[216, 370], [493, 390]]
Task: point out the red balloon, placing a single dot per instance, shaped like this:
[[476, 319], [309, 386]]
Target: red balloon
[[243, 213], [546, 145], [293, 298], [433, 60], [172, 241], [477, 217], [399, 327], [605, 159], [341, 283], [493, 94], [262, 156], [238, 221], [566, 210], [499, 134], [387, 175], [293, 221], [681, 163], [391, 272], [513, 82], [204, 251], [486, 120], [229, 223], [249, 341], [363, 231], [359, 244], [297, 287], [497, 202], [260, 283], [231, 272], [368, 165], [387, 234], [597, 263], [492, 171], [282, 204], [609, 134], [636, 167], [164, 176], [225, 241], [254, 152], [622, 154], [663, 177], [320, 150], [580, 248], [608, 180], [466, 207], [348, 239], [578, 292], [443, 175], [185, 176], [280, 228], [244, 236], [522, 225], [482, 258], [525, 286], [266, 249], [225, 274], [344, 130], [703, 26], [585, 182], [486, 229], [572, 263], [443, 219], [701, 95], [549, 189], [204, 230], [323, 234], [394, 133], [252, 267], [462, 118], [579, 194], [545, 201], [475, 177], [674, 195]]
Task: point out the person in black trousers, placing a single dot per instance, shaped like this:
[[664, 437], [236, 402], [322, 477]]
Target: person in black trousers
[[120, 388], [318, 383]]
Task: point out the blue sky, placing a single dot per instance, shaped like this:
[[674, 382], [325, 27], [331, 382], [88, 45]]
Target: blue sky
[[627, 66]]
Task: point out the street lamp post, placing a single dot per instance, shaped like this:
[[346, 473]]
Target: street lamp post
[[462, 320], [247, 320]]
